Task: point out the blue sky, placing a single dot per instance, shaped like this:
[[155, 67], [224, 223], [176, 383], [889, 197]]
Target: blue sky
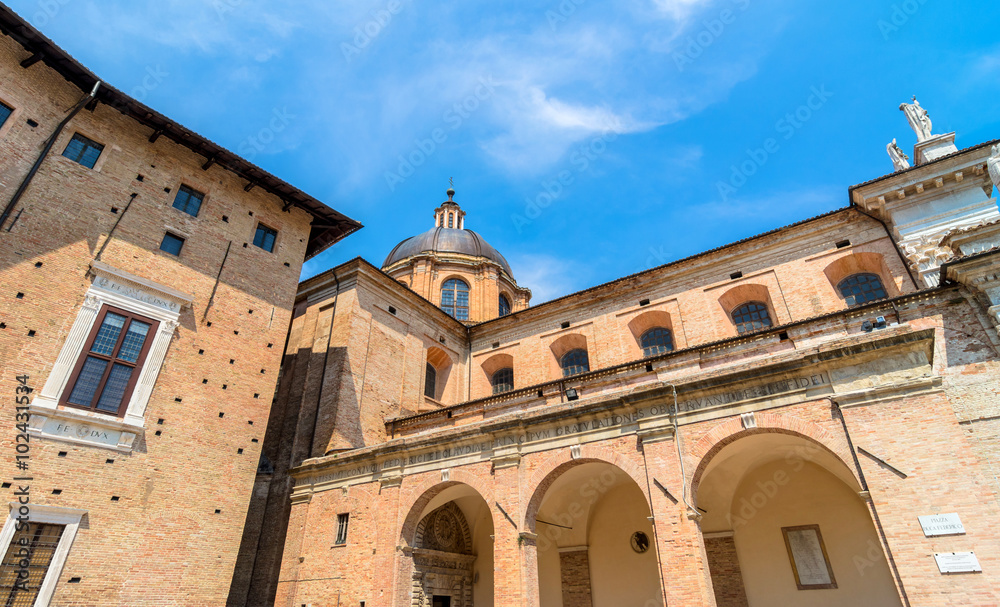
[[587, 140]]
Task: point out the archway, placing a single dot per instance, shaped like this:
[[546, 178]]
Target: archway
[[449, 538], [784, 525], [595, 541]]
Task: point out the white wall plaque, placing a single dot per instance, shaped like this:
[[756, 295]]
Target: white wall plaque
[[957, 562], [941, 524]]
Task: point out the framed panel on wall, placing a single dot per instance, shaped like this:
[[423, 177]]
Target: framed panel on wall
[[807, 554]]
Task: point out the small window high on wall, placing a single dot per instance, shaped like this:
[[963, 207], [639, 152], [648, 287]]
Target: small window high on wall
[[430, 381], [574, 362], [751, 316], [503, 380], [861, 288]]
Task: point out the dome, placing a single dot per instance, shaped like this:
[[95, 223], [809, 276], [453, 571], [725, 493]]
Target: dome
[[447, 240]]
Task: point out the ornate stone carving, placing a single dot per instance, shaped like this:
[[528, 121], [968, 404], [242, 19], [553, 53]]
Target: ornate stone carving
[[993, 164], [442, 558], [899, 159], [925, 255], [91, 302], [445, 530], [919, 121]]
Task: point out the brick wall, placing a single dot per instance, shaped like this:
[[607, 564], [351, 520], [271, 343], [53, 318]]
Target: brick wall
[[727, 580]]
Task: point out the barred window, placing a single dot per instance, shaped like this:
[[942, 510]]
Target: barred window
[[455, 299], [751, 316], [656, 341], [106, 373], [188, 200], [31, 550], [430, 381], [861, 288], [342, 520], [574, 362], [83, 151], [503, 380]]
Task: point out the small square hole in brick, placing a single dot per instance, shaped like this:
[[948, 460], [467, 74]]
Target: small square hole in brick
[[540, 394], [649, 367], [288, 265], [783, 335], [250, 421], [239, 451], [251, 213], [177, 399], [736, 275], [4, 485], [160, 421], [225, 218], [208, 324], [244, 245], [114, 210], [392, 310], [20, 295], [140, 178], [74, 580], [204, 381], [32, 123], [255, 395], [496, 344], [217, 511], [236, 332], [225, 386], [167, 190], [262, 370], [564, 325], [254, 440], [643, 302], [109, 461], [38, 264], [249, 311], [115, 498], [270, 345], [201, 351], [158, 432], [31, 333], [56, 491], [63, 454], [221, 414], [3, 325], [232, 360]]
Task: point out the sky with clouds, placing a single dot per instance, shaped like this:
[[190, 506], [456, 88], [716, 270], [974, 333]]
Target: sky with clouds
[[587, 140]]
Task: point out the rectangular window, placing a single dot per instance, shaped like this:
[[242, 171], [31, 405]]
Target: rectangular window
[[172, 244], [342, 528], [33, 544], [188, 200], [84, 151], [265, 237], [5, 113], [106, 372]]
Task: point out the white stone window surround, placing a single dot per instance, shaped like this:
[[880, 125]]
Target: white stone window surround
[[53, 515], [120, 289]]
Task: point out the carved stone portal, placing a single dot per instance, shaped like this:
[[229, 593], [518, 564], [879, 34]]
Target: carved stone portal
[[443, 559]]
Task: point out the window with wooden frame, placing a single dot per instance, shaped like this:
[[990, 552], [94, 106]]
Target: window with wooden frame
[[188, 200], [265, 237], [342, 522], [84, 151], [106, 372]]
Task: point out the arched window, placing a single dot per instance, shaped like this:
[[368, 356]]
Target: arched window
[[455, 299], [430, 381], [861, 288], [656, 341], [751, 316], [503, 380], [574, 362], [504, 305], [451, 220]]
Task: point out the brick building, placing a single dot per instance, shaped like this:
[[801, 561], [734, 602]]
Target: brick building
[[132, 258], [761, 424]]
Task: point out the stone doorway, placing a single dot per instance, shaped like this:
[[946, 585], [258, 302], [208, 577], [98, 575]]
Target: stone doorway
[[443, 559], [441, 601]]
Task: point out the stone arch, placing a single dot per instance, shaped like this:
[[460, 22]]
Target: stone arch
[[429, 487], [496, 362], [645, 321], [563, 345], [732, 430], [554, 465], [463, 541], [745, 293]]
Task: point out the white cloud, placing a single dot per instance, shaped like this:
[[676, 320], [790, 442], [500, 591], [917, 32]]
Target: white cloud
[[678, 9], [548, 277]]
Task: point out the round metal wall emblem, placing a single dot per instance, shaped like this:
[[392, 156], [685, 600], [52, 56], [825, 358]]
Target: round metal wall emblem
[[640, 542]]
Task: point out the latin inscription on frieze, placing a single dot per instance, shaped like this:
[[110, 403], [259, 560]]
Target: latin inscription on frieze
[[134, 293]]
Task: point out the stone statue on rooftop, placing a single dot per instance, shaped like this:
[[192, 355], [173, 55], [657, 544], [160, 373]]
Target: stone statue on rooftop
[[919, 121], [993, 165], [899, 158]]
